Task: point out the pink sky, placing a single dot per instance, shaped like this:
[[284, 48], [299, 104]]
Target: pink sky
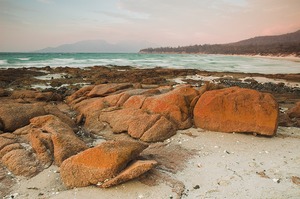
[[35, 24]]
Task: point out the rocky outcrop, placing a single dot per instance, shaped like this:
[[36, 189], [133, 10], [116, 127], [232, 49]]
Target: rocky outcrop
[[156, 116], [174, 105], [35, 95], [101, 163], [42, 133], [102, 90], [16, 115], [18, 157], [139, 124], [237, 110], [4, 93], [65, 118], [150, 115], [30, 149], [295, 111], [285, 120], [293, 116], [78, 94], [54, 136]]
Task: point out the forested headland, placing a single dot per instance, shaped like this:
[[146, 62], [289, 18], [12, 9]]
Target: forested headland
[[277, 45]]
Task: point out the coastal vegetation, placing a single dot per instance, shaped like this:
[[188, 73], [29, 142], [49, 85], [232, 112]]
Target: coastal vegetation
[[279, 45]]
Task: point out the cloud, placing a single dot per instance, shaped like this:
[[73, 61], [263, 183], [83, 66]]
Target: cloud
[[124, 15], [45, 1], [214, 21], [167, 22]]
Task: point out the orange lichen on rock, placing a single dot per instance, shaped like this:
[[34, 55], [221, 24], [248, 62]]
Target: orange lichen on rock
[[237, 110], [133, 171], [100, 163]]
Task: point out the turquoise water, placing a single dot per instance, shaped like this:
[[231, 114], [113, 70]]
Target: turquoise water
[[201, 62]]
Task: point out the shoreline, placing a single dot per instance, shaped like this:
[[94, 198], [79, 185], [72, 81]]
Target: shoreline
[[67, 77], [293, 58], [289, 57]]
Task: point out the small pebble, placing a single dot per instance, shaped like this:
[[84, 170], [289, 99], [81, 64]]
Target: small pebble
[[14, 195], [34, 188], [196, 187], [225, 151]]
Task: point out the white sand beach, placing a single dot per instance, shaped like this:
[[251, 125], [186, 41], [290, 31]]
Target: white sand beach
[[197, 164]]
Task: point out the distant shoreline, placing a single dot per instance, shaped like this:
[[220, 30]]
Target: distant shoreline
[[280, 57], [290, 57], [287, 57]]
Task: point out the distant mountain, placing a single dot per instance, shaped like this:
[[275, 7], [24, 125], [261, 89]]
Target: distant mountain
[[94, 46], [278, 45]]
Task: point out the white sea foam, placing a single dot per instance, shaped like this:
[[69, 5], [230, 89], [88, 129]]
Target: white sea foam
[[3, 62], [23, 58], [181, 80], [41, 86], [62, 62], [50, 76], [47, 86]]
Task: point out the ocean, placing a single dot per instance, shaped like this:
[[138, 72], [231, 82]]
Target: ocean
[[218, 63]]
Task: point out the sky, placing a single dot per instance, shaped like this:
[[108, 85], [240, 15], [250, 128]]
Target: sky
[[27, 25]]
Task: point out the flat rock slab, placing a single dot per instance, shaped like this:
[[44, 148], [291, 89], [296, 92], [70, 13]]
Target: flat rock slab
[[133, 171]]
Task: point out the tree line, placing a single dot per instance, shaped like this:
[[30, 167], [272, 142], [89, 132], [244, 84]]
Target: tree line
[[230, 49]]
